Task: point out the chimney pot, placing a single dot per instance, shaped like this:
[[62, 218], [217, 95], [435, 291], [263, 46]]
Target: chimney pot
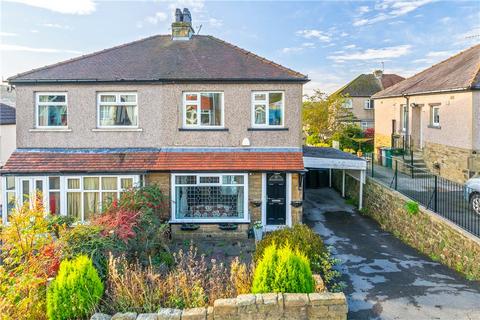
[[178, 15], [187, 17], [182, 27], [378, 74]]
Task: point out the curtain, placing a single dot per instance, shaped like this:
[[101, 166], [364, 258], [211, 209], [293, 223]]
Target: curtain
[[109, 183], [90, 204], [73, 184], [131, 115], [260, 114], [74, 205], [240, 202], [91, 183]]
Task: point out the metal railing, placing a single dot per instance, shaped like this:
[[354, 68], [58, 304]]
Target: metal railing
[[447, 198]]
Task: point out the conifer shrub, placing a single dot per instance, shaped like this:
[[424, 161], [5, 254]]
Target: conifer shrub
[[76, 290], [283, 270], [302, 238]]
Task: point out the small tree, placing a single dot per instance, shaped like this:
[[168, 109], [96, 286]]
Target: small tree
[[323, 116], [76, 290]]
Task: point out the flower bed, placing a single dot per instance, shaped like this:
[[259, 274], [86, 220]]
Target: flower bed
[[128, 251]]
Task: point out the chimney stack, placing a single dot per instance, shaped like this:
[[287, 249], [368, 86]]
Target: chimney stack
[[182, 27], [378, 74]]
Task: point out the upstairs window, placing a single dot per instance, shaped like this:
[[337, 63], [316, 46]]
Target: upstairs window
[[368, 104], [51, 110], [202, 109], [267, 108], [117, 109], [347, 103]]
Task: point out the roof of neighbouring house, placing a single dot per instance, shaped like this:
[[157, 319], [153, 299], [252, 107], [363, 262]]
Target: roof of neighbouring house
[[329, 153], [92, 160], [7, 114], [365, 85], [459, 72], [159, 58]]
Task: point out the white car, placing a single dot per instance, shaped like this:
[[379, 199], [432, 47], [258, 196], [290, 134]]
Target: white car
[[472, 193]]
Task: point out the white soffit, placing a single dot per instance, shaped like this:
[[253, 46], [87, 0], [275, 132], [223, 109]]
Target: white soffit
[[329, 163]]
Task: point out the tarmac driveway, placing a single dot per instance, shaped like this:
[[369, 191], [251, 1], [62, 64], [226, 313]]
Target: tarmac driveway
[[385, 278]]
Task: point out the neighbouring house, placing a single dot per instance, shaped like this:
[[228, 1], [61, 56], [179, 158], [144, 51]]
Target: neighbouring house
[[359, 91], [218, 128], [7, 135], [436, 114]]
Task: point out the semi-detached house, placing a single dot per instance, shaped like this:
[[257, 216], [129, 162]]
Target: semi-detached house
[[218, 128]]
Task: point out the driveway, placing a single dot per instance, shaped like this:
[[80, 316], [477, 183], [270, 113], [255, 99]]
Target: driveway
[[385, 278]]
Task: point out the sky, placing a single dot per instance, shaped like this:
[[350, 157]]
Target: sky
[[330, 41]]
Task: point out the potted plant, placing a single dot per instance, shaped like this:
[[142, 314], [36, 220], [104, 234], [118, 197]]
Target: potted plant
[[258, 230]]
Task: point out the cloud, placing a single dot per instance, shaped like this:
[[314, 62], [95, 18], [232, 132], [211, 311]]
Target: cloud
[[80, 7], [157, 17], [343, 34], [371, 54], [324, 80], [390, 9], [13, 47], [433, 57], [8, 34], [363, 9], [350, 46], [303, 46], [314, 34], [55, 25], [216, 23]]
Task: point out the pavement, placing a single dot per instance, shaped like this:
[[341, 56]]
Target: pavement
[[385, 278]]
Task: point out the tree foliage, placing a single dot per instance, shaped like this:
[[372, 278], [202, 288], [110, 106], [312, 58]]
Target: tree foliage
[[323, 116]]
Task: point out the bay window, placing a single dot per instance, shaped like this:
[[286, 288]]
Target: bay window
[[202, 109], [209, 197], [267, 108], [117, 109], [51, 110]]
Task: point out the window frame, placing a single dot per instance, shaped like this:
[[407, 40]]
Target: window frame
[[199, 111], [369, 103], [63, 191], [117, 94], [267, 109], [434, 107], [348, 105], [404, 117], [173, 185], [38, 104]]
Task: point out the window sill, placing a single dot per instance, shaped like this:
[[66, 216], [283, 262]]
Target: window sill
[[50, 130], [268, 129], [434, 127], [203, 129], [117, 130]]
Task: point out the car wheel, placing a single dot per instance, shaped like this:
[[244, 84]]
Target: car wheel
[[475, 203]]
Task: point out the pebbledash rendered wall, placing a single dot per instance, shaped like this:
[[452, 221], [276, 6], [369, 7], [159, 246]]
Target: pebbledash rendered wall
[[318, 306], [426, 231], [162, 179]]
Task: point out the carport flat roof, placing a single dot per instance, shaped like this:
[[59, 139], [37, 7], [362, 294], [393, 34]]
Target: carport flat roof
[[331, 158]]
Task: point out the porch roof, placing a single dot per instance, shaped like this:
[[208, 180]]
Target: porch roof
[[143, 160], [331, 158]]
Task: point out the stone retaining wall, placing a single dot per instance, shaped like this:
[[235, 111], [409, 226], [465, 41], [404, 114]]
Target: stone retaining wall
[[319, 306], [426, 231]]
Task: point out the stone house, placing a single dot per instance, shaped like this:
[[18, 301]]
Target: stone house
[[436, 114], [218, 128], [359, 91]]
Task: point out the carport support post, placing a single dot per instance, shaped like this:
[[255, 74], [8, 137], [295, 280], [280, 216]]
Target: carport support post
[[343, 183], [360, 196], [330, 178]]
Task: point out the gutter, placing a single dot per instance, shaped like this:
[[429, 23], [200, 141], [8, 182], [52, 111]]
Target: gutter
[[166, 81], [426, 92]]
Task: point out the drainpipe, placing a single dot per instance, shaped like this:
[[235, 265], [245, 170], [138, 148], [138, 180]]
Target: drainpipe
[[407, 126]]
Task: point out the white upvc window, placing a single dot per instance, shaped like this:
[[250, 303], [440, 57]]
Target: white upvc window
[[368, 104], [210, 197], [435, 115], [203, 110], [77, 196], [404, 117], [117, 110], [268, 109], [51, 110], [347, 103]]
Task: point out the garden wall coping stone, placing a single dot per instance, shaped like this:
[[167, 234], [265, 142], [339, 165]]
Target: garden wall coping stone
[[325, 306]]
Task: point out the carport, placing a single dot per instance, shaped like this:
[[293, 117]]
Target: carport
[[320, 162]]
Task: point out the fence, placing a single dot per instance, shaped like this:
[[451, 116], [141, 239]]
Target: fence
[[445, 197]]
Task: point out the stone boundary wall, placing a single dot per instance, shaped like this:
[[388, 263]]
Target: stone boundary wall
[[426, 231], [319, 306]]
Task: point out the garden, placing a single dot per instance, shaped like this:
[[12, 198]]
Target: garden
[[124, 261]]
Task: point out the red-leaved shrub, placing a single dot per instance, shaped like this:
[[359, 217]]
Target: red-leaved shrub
[[118, 222]]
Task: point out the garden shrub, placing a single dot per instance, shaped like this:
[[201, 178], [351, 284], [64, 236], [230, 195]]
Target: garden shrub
[[76, 290], [283, 270], [412, 207], [302, 238], [29, 257]]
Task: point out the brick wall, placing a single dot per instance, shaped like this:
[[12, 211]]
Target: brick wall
[[322, 306], [162, 180], [297, 195]]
